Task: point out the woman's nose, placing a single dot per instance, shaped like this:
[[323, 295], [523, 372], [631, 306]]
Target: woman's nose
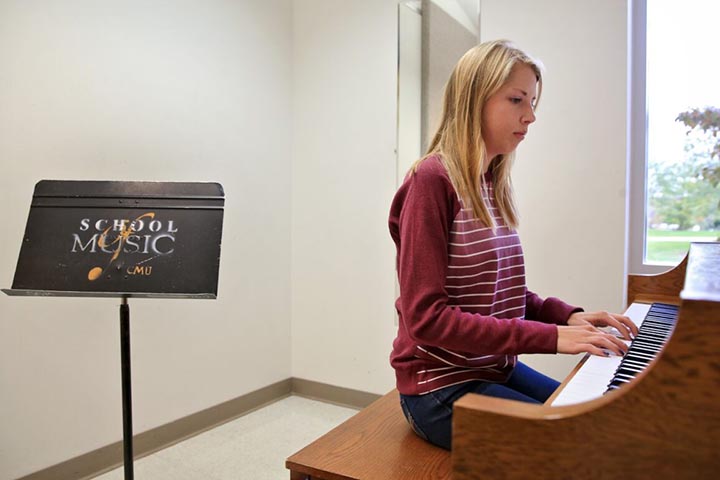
[[529, 116]]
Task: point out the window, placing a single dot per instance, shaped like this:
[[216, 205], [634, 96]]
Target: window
[[674, 96]]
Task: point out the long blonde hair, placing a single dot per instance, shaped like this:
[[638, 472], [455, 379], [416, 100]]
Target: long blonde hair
[[459, 143]]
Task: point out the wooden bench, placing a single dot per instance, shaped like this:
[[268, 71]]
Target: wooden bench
[[375, 444]]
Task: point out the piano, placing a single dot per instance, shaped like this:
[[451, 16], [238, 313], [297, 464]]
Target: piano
[[654, 413]]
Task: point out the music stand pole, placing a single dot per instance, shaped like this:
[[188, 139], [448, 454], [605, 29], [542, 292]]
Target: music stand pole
[[126, 387]]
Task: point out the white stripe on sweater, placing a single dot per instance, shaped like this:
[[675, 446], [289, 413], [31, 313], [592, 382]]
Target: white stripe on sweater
[[490, 294], [433, 369], [494, 282], [507, 247], [491, 305], [421, 382], [490, 239], [486, 271], [466, 358], [519, 307], [454, 383], [445, 361]]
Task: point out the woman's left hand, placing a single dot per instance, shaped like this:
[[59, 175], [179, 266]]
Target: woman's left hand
[[627, 328]]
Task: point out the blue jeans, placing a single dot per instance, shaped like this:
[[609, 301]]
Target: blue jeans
[[430, 415]]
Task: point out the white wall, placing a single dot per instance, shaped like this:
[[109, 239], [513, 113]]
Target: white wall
[[137, 90], [344, 166], [570, 173]]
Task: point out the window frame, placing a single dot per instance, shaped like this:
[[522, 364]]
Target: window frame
[[637, 142]]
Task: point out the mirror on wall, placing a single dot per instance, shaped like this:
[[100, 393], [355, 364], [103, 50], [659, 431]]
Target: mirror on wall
[[432, 36]]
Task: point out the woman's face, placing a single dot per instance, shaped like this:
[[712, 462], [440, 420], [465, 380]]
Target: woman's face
[[509, 112]]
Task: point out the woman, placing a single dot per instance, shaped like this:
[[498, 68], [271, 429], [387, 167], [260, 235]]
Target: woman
[[465, 311]]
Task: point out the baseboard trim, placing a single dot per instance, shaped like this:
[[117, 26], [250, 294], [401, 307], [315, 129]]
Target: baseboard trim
[[345, 397], [110, 457]]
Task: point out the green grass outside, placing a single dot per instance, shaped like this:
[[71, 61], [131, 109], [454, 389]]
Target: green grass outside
[[672, 251], [682, 233]]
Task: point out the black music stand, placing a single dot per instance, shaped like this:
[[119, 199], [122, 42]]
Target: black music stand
[[122, 239]]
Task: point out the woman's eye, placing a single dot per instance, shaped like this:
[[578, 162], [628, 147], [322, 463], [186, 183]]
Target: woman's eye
[[516, 100]]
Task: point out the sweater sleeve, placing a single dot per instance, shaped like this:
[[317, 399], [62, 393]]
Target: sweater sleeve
[[424, 210], [551, 310]]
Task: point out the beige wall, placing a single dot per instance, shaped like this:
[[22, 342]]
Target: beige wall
[[184, 91], [344, 171], [570, 173]]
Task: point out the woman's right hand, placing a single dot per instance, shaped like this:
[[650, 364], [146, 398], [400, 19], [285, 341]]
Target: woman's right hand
[[587, 338]]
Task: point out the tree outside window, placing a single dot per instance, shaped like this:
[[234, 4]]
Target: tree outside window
[[683, 177]]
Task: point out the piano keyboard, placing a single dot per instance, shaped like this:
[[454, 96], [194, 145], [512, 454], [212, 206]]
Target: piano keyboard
[[652, 337], [601, 374]]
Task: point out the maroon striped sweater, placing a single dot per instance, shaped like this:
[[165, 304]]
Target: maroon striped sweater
[[464, 309]]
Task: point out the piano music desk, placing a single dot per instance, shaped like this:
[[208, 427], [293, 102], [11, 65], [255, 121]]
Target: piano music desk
[[375, 444]]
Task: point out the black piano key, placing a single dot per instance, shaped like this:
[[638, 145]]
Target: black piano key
[[627, 373], [657, 327], [653, 334], [654, 327], [649, 349], [666, 309], [623, 378], [640, 352], [651, 339], [634, 364], [630, 368], [656, 331]]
